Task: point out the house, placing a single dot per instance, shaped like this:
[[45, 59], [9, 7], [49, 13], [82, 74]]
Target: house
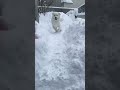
[[64, 5], [68, 3], [81, 8], [72, 3]]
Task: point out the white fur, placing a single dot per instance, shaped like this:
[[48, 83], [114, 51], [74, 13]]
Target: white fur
[[56, 21]]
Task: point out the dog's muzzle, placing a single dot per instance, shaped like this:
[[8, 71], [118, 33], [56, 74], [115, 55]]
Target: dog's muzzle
[[55, 18]]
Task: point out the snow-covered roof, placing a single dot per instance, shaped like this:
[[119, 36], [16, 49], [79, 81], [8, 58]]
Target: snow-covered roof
[[66, 1]]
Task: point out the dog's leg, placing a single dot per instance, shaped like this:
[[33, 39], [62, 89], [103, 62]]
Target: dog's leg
[[58, 29]]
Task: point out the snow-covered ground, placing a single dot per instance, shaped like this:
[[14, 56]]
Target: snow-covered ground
[[60, 57]]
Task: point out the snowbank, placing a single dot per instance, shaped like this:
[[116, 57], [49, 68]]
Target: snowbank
[[72, 14], [46, 25], [59, 57]]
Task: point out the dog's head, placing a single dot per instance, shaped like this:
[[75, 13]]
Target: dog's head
[[56, 15]]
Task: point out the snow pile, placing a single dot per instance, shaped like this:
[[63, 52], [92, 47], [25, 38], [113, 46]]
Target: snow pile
[[72, 13], [59, 57], [46, 25], [80, 21]]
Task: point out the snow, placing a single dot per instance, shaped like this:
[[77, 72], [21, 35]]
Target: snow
[[59, 57], [67, 1]]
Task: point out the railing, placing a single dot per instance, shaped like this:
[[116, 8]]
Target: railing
[[53, 8], [56, 7]]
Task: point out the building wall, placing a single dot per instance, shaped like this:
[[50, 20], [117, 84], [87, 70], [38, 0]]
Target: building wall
[[81, 9], [76, 3], [56, 3]]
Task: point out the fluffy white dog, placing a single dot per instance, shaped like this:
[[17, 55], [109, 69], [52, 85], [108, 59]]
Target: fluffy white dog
[[56, 21]]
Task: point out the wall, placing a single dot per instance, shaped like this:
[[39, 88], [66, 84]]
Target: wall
[[76, 3], [57, 3]]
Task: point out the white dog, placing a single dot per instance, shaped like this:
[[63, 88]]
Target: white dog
[[56, 21]]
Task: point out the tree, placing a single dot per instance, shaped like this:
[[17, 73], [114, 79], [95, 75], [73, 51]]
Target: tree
[[44, 5]]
